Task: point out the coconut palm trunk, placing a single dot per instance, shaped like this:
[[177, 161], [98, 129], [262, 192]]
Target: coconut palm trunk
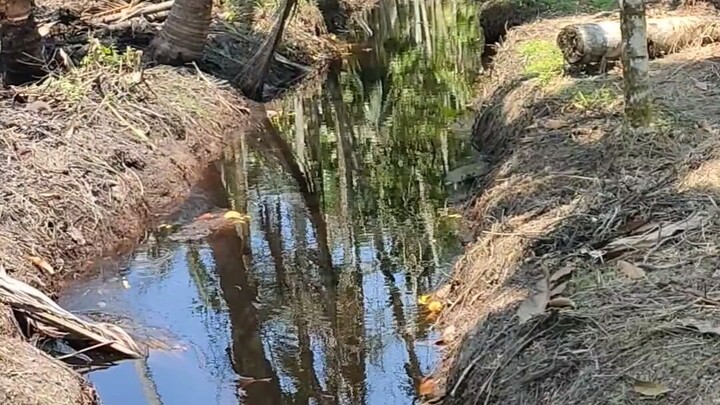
[[635, 63], [252, 78], [184, 34], [20, 43]]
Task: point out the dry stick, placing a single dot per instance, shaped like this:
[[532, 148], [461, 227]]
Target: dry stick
[[145, 10], [87, 349]]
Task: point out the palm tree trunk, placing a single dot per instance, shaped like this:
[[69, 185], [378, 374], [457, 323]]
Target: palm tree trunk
[[20, 43], [252, 78], [635, 63], [183, 37]]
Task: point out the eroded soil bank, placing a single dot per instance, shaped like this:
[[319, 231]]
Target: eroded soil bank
[[91, 157], [614, 233]]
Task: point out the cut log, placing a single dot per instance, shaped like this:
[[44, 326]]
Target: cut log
[[598, 42], [40, 308]]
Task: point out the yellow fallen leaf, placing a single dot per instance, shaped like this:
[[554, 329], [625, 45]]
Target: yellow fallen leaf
[[423, 299], [650, 389], [454, 216], [42, 264], [435, 306], [427, 387], [233, 215]]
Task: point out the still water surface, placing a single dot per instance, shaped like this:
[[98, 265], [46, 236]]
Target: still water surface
[[314, 299]]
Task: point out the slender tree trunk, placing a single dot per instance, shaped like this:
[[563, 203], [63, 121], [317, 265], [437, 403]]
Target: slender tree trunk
[[183, 37], [252, 78], [20, 43], [635, 63]]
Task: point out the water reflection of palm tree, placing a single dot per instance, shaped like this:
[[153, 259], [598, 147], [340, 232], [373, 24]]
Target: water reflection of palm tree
[[247, 351], [149, 387]]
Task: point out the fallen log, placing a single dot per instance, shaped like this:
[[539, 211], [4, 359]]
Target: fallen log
[[600, 42], [57, 321]]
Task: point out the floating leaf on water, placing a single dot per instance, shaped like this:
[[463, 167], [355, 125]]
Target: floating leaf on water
[[233, 215], [630, 270], [424, 299], [650, 389], [565, 271], [560, 302], [427, 386], [42, 264], [435, 306]]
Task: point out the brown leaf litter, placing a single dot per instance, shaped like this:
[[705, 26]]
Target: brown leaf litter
[[627, 219]]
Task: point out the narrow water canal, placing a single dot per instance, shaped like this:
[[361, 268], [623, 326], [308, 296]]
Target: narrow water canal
[[314, 299]]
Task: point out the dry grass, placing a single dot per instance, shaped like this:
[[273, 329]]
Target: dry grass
[[568, 181], [84, 167]]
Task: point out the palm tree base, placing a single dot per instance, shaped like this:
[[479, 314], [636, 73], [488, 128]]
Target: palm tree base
[[21, 56], [165, 52]]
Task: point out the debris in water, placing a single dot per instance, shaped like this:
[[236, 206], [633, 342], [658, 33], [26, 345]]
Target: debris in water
[[245, 381]]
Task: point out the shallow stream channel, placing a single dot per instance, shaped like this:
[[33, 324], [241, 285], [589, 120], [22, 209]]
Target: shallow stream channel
[[343, 220]]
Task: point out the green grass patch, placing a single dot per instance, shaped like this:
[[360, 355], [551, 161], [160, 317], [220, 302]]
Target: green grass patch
[[577, 6], [543, 60]]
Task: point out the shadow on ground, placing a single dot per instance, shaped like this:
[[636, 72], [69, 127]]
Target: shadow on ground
[[568, 181]]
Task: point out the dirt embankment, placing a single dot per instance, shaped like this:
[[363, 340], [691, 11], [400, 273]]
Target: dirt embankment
[[91, 156], [621, 226]]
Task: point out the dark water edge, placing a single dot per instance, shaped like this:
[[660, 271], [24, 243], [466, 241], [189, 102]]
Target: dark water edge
[[314, 298]]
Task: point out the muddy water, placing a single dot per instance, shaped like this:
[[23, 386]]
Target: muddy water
[[314, 298]]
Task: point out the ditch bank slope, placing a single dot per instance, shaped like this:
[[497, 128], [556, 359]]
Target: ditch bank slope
[[592, 277]]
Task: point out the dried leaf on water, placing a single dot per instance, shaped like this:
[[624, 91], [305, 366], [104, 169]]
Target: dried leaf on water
[[42, 264], [234, 215], [427, 387], [630, 270], [245, 381], [650, 389], [560, 302], [435, 306]]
